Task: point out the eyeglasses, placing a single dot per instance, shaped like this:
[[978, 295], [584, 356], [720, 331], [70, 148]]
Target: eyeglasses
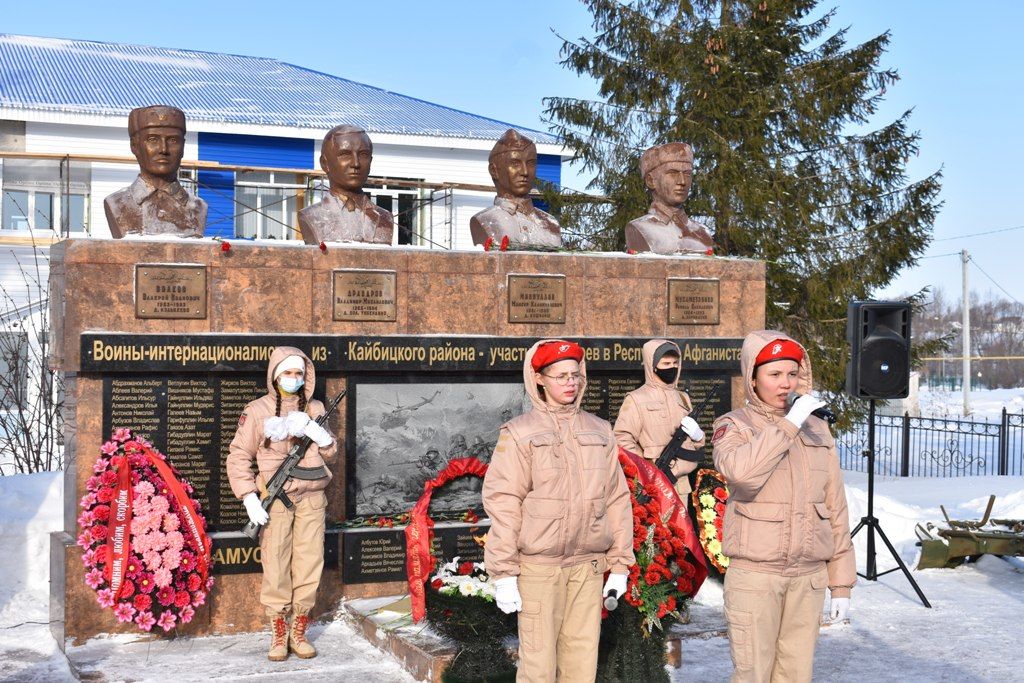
[[565, 378]]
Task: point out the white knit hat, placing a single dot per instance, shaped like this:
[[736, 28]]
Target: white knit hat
[[292, 362]]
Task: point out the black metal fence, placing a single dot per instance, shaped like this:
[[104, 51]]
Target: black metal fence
[[936, 447]]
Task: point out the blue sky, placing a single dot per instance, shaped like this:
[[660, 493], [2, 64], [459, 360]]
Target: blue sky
[[961, 65]]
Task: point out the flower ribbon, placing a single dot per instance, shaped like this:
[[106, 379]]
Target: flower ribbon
[[668, 501], [119, 526], [419, 561]]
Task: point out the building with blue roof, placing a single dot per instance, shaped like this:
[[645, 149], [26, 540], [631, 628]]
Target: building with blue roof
[[64, 140]]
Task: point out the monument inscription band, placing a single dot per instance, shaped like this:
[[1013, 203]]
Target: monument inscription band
[[170, 291]]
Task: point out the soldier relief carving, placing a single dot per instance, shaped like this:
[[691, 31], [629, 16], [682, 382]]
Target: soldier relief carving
[[156, 203], [513, 167], [665, 228], [346, 214]]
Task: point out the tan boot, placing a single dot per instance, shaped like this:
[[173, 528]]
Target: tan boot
[[278, 639], [297, 642]]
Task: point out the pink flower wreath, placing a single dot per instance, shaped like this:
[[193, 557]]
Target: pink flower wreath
[[147, 554]]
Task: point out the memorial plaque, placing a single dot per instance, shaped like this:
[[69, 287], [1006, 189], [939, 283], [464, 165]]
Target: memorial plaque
[[365, 295], [536, 298], [373, 555], [170, 291], [693, 301]]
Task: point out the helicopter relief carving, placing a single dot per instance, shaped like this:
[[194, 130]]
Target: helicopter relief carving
[[408, 432]]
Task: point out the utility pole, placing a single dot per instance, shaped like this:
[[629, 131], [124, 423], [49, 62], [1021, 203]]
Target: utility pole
[[966, 306]]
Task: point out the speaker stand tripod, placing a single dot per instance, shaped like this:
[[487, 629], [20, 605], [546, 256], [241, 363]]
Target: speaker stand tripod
[[870, 523]]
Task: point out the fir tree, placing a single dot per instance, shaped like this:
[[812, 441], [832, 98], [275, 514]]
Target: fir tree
[[787, 167]]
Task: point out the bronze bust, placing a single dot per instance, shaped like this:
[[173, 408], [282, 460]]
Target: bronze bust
[[156, 203], [346, 214], [513, 168], [665, 228]]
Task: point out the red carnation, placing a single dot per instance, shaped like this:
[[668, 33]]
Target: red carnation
[[108, 477], [671, 604], [105, 495], [436, 584], [142, 602], [718, 534], [718, 523], [683, 584], [710, 252], [323, 247], [182, 599], [127, 589], [721, 494], [504, 243], [719, 508], [101, 513], [194, 582], [466, 568], [101, 554], [225, 246], [98, 532], [662, 610], [631, 251], [488, 243]]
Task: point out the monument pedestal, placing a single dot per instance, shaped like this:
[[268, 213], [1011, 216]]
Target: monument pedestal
[[403, 327]]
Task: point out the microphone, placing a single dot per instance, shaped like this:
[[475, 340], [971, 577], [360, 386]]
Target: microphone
[[612, 601], [823, 412]]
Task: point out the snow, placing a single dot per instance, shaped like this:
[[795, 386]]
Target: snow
[[986, 404], [970, 634]]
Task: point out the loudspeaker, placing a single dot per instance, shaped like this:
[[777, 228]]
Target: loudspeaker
[[879, 336]]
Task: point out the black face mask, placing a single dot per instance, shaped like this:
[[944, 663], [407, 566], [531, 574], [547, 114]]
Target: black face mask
[[667, 375]]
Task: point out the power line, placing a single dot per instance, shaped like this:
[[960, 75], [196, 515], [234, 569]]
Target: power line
[[952, 253], [1001, 288], [976, 234]]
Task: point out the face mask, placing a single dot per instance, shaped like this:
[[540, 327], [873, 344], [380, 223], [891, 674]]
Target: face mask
[[290, 384], [667, 375]]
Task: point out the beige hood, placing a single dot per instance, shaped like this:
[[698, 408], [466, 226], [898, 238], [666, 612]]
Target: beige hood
[[531, 386], [278, 355], [752, 345], [650, 378]]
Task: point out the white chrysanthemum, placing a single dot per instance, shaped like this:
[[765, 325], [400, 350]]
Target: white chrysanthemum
[[466, 588]]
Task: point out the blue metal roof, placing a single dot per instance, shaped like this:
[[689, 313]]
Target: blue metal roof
[[89, 77]]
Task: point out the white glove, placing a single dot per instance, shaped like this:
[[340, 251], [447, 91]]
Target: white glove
[[802, 409], [320, 435], [253, 507], [838, 609], [275, 429], [506, 594], [692, 429], [296, 421], [617, 583]]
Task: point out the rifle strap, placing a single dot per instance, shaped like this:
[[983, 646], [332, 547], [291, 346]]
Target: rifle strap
[[309, 473]]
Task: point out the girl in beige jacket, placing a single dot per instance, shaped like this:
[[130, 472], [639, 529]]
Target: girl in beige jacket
[[292, 542], [786, 529]]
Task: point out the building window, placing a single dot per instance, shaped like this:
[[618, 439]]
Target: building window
[[45, 195], [265, 205], [13, 369]]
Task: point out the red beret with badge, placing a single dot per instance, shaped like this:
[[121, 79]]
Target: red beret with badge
[[554, 351], [780, 349]]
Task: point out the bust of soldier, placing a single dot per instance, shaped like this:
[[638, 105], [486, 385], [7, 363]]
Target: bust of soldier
[[665, 228], [156, 203], [513, 168], [346, 214]]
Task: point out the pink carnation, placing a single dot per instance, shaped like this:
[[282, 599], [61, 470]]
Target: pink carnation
[[160, 505], [175, 541], [162, 577], [171, 559], [167, 620], [145, 620], [122, 434], [94, 578], [171, 523], [151, 559], [144, 488], [105, 597], [186, 614], [109, 448], [124, 612]]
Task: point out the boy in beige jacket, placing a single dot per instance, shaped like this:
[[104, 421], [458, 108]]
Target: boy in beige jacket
[[292, 544], [560, 516], [787, 529]]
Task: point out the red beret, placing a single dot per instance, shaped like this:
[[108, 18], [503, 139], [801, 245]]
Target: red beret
[[554, 351], [780, 349]]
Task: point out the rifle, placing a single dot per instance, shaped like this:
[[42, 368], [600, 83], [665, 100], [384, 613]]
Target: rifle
[[674, 449], [290, 469]]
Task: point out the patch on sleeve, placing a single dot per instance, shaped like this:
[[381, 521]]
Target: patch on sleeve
[[719, 433], [241, 419]]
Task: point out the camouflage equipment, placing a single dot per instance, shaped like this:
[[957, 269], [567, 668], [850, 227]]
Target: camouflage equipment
[[965, 539]]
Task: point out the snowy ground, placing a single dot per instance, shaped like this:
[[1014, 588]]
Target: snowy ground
[[972, 632], [986, 404]]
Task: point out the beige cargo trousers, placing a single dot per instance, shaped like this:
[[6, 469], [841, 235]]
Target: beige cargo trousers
[[292, 553]]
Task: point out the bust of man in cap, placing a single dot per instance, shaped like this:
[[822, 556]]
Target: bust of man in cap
[[513, 167], [665, 228], [346, 214], [156, 203]]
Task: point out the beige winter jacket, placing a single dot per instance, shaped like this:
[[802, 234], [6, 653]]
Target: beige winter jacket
[[787, 509], [650, 415], [554, 490], [249, 441]]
